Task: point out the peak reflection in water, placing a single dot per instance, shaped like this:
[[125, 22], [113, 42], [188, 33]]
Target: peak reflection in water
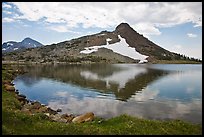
[[121, 80], [149, 91]]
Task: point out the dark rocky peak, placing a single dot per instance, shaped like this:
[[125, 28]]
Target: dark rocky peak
[[122, 26]]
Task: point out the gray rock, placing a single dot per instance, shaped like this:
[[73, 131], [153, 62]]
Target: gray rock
[[51, 111], [36, 105], [21, 95], [58, 118], [84, 118], [59, 110], [69, 118]]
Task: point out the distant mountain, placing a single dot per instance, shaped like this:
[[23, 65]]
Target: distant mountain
[[25, 44], [123, 45]]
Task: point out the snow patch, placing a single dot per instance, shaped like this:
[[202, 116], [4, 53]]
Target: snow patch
[[15, 48], [89, 50], [143, 61], [120, 47], [9, 44], [101, 34], [108, 39], [4, 49]]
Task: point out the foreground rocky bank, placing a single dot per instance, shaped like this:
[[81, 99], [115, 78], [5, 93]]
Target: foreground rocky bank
[[33, 107]]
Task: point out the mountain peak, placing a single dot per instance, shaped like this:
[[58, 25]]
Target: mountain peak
[[27, 39], [124, 28], [123, 25], [24, 44]]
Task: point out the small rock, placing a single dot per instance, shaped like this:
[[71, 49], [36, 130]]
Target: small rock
[[9, 87], [42, 109], [47, 114], [100, 121], [84, 118], [51, 111], [64, 115], [23, 101], [59, 110], [21, 95], [36, 105], [21, 98]]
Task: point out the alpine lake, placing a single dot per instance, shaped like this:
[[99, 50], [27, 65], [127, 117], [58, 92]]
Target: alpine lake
[[150, 91]]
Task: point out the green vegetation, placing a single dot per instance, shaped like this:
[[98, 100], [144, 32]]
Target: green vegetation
[[16, 122], [175, 62]]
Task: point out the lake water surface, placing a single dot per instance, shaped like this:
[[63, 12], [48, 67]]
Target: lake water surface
[[157, 91]]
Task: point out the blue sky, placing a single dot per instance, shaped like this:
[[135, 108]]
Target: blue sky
[[174, 26]]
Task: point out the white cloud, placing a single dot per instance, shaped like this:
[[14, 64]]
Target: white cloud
[[61, 94], [8, 20], [191, 35], [58, 28], [7, 12], [146, 29], [146, 95], [146, 17], [62, 28], [6, 6]]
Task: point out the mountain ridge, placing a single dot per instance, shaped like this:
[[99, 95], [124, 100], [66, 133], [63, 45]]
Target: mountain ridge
[[100, 47]]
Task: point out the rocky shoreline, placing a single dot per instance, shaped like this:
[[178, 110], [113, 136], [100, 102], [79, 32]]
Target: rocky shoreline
[[33, 107]]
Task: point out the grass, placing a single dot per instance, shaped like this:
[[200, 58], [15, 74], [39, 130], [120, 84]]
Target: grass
[[16, 122]]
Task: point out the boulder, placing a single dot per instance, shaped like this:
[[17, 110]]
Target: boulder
[[21, 98], [7, 82], [9, 87], [36, 105], [69, 118], [84, 118], [17, 92], [42, 109], [57, 118], [51, 111]]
